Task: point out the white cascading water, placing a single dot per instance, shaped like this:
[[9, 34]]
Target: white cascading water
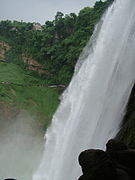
[[93, 105]]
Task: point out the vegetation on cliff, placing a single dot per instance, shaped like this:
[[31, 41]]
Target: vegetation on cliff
[[33, 55], [56, 45]]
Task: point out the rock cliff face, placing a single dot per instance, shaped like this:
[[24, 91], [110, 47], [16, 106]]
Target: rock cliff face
[[127, 131], [31, 64], [34, 65]]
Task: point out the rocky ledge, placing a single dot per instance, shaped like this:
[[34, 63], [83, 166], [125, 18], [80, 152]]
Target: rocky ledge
[[116, 163]]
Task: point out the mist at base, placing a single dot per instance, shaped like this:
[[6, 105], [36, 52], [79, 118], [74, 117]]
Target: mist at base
[[21, 147]]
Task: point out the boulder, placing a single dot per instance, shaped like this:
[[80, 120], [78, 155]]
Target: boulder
[[116, 163]]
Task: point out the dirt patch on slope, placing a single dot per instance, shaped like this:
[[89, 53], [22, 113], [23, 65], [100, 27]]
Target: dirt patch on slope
[[4, 47]]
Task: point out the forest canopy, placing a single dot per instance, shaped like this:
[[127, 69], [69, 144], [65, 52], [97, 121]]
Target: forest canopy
[[56, 45]]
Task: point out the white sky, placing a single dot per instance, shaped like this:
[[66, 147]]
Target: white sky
[[39, 10]]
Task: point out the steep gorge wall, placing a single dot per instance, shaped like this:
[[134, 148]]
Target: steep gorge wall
[[127, 131]]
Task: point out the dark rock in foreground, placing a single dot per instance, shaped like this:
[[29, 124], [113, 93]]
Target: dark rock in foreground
[[116, 163], [10, 179]]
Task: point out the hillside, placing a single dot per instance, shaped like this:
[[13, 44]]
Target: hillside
[[56, 45], [21, 91], [37, 62]]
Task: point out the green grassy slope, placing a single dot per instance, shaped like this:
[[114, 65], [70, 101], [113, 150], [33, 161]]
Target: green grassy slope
[[19, 90]]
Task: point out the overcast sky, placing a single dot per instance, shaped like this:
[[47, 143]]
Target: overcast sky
[[39, 10]]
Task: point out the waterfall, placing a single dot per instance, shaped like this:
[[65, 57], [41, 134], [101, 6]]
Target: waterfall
[[93, 105]]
